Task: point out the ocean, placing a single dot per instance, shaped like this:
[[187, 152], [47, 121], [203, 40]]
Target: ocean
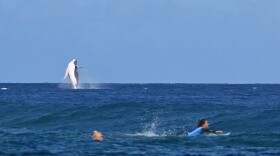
[[138, 119]]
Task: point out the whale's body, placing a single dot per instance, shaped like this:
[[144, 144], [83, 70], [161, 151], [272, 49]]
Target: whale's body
[[72, 73]]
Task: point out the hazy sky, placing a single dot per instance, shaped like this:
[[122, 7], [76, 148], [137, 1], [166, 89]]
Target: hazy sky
[[141, 41]]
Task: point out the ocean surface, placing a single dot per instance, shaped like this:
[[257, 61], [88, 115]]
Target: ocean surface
[[138, 119]]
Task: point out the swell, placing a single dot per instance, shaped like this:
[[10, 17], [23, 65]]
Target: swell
[[143, 118], [167, 117]]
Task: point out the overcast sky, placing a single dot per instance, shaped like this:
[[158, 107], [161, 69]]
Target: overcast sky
[[141, 41]]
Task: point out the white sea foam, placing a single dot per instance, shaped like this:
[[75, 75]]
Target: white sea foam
[[150, 130], [146, 134]]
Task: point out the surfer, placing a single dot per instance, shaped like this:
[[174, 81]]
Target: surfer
[[202, 127], [97, 136]]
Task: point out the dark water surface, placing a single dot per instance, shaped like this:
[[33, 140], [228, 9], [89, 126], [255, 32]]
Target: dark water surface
[[139, 119]]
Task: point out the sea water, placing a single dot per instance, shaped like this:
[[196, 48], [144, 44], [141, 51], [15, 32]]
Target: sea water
[[139, 119]]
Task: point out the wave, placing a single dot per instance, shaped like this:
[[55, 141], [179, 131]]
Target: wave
[[39, 115]]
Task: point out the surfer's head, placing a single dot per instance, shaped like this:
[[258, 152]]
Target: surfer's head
[[202, 123], [97, 136]]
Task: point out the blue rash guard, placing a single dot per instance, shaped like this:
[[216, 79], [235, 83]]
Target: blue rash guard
[[198, 131]]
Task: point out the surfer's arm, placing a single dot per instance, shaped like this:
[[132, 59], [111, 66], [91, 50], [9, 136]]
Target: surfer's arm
[[218, 131], [213, 131]]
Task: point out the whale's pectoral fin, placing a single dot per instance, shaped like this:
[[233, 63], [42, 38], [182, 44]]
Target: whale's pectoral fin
[[66, 74]]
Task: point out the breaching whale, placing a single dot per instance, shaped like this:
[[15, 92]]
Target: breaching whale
[[72, 73]]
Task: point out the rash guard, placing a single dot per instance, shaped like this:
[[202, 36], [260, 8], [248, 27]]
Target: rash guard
[[200, 130]]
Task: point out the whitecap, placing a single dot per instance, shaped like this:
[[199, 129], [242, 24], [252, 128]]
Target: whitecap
[[145, 134]]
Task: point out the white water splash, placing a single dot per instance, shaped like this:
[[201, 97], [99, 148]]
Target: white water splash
[[85, 82], [88, 86], [149, 131], [144, 135]]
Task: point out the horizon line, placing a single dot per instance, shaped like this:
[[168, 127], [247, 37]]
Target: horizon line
[[143, 83]]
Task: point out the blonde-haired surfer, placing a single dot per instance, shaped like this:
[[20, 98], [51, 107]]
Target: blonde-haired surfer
[[97, 136]]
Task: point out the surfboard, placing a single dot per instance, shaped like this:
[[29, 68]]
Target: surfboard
[[225, 134], [221, 134]]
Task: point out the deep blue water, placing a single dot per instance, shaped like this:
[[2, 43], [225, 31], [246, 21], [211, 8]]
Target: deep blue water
[[139, 119]]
